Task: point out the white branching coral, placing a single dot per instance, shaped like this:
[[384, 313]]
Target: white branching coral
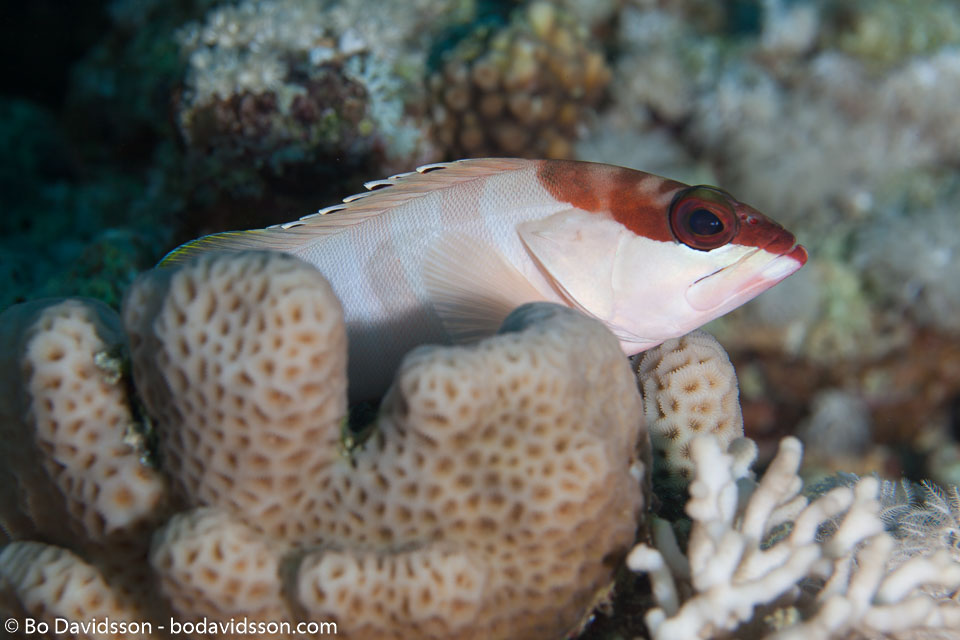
[[758, 544]]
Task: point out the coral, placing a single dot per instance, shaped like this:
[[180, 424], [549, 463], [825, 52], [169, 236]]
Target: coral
[[46, 583], [521, 90], [689, 388], [276, 89], [213, 566], [931, 524], [71, 450], [907, 261], [545, 475], [220, 350], [888, 31], [803, 126], [491, 498], [662, 68], [738, 560], [838, 425], [923, 518]]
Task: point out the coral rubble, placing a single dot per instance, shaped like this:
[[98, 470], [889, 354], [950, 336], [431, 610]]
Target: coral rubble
[[491, 498]]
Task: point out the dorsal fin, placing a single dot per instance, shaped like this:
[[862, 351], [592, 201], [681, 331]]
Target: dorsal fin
[[396, 190], [382, 196]]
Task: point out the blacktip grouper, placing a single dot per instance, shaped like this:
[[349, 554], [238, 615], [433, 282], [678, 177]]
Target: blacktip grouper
[[445, 252]]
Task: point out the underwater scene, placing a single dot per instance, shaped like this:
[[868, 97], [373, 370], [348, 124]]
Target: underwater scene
[[492, 319]]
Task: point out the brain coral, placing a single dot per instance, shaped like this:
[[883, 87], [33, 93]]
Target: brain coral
[[492, 499], [689, 388]]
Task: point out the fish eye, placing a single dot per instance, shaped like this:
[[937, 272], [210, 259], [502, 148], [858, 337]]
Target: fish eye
[[703, 222], [703, 218]]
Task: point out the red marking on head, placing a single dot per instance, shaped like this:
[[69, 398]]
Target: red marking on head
[[761, 231], [637, 200], [641, 202]]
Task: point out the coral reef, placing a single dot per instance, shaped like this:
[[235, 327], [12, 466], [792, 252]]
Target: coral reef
[[520, 90], [275, 91], [862, 141], [847, 557], [906, 258], [838, 425], [840, 118], [177, 119], [740, 559], [888, 31], [492, 496], [689, 387]]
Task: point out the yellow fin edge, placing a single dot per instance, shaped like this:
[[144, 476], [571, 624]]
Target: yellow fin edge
[[253, 239]]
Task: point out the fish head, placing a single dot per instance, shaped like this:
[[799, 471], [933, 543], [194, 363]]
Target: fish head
[[660, 258]]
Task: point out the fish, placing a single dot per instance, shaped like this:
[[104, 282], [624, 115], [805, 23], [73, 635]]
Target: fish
[[444, 253]]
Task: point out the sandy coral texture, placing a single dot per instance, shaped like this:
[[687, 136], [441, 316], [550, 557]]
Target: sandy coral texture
[[494, 497]]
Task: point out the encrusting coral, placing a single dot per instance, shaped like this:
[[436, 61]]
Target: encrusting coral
[[492, 498]]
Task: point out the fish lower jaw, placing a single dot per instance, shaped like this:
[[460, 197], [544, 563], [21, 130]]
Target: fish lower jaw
[[731, 287], [784, 265]]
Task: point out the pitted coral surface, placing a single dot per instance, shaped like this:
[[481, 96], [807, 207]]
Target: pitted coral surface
[[494, 498]]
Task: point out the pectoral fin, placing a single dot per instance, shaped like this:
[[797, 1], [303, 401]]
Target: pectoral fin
[[472, 286]]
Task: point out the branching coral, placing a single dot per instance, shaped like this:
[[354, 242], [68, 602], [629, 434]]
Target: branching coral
[[493, 497], [47, 582], [739, 559], [72, 450]]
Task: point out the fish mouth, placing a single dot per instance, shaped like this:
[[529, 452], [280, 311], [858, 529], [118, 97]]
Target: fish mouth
[[751, 275]]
